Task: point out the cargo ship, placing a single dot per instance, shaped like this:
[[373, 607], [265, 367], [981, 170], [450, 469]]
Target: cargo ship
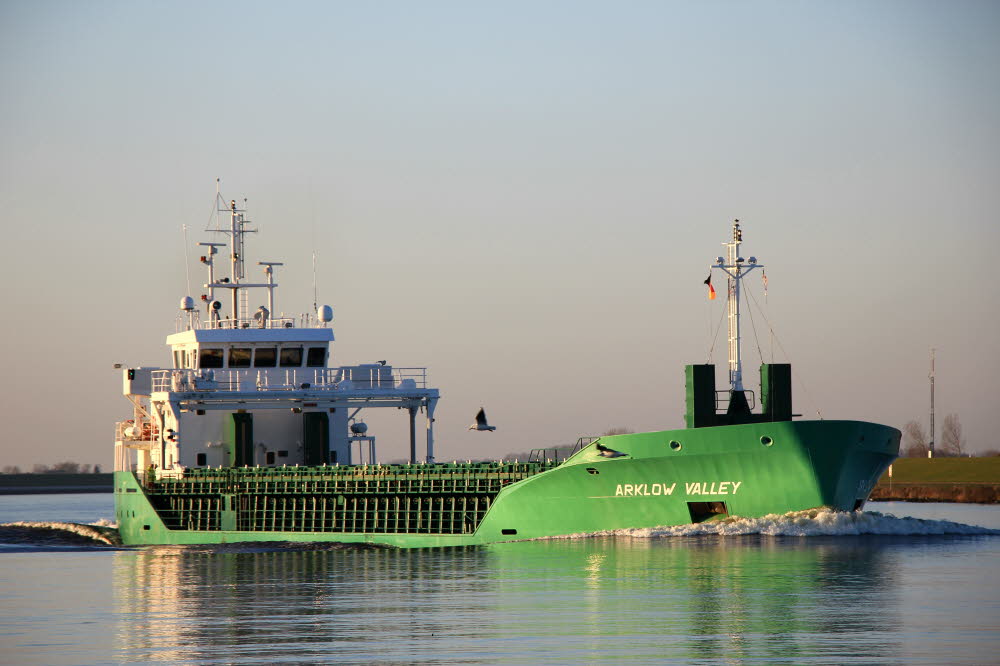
[[252, 433]]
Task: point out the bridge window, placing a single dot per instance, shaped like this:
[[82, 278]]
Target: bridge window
[[265, 357], [316, 357], [291, 357], [210, 358], [239, 357], [178, 359]]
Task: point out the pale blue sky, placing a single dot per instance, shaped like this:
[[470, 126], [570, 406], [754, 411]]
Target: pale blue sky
[[522, 196]]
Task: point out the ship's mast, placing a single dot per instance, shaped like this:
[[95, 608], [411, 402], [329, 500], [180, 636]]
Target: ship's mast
[[930, 448], [237, 228], [736, 269]]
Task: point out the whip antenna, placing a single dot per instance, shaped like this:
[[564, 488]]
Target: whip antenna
[[187, 261]]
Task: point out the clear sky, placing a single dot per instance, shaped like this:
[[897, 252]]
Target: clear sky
[[522, 196]]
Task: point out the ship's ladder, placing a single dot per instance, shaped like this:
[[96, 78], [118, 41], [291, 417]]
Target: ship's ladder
[[244, 305]]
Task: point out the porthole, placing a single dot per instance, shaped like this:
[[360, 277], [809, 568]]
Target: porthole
[[766, 441], [675, 445]]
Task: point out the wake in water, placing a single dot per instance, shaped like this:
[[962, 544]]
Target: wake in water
[[101, 533], [811, 522]]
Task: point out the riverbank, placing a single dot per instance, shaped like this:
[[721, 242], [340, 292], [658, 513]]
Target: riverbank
[[35, 484], [963, 480], [943, 492]]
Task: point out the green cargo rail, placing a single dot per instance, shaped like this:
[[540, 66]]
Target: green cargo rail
[[407, 499]]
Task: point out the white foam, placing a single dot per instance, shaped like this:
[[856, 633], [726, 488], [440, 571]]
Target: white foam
[[98, 532], [812, 522], [104, 522]]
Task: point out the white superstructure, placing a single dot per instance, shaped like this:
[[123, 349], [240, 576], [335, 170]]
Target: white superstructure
[[257, 389]]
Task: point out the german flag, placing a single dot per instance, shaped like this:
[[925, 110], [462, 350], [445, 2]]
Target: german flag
[[711, 289]]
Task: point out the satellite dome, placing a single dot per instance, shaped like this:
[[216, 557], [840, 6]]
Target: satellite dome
[[325, 313], [187, 304]]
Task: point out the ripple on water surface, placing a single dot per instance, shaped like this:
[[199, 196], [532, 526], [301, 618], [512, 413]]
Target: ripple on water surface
[[804, 587]]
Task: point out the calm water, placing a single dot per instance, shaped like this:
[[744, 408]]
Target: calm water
[[903, 598]]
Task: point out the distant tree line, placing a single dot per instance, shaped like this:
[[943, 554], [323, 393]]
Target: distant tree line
[[67, 467], [916, 443]]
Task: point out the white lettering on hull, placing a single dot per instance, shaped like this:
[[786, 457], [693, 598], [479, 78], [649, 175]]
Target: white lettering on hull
[[694, 488], [713, 488], [644, 489]]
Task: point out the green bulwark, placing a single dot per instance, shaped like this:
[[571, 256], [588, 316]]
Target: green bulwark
[[372, 499]]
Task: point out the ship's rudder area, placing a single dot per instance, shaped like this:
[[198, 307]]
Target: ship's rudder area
[[138, 521]]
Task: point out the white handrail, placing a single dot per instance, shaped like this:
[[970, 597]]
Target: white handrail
[[380, 378]]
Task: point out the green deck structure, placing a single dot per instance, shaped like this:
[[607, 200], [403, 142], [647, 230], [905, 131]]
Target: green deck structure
[[665, 478]]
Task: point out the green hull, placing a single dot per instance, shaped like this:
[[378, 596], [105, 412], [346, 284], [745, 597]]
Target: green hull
[[664, 478]]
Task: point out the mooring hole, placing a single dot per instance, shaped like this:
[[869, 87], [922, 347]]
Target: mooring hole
[[508, 532], [702, 511], [591, 470]]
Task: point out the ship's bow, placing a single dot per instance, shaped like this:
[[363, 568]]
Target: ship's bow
[[848, 458]]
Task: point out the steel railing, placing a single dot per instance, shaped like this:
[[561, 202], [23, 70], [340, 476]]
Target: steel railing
[[722, 399], [276, 379], [183, 323]]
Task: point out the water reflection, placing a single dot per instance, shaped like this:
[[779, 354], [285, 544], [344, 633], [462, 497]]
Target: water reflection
[[703, 599], [711, 599]]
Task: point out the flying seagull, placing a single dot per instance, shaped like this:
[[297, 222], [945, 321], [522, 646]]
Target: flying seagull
[[481, 423], [608, 453]]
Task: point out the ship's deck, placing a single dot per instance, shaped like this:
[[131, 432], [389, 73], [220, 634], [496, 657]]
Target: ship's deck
[[449, 498]]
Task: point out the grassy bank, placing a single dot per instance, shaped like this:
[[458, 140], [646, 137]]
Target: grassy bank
[[25, 484], [944, 470], [974, 480]]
